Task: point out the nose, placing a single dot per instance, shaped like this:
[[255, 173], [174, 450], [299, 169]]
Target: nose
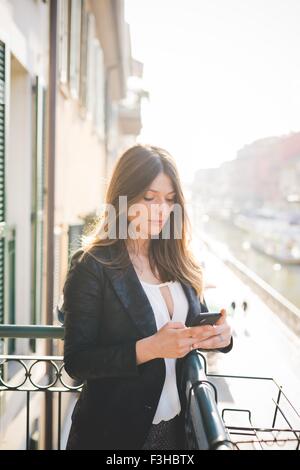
[[160, 210]]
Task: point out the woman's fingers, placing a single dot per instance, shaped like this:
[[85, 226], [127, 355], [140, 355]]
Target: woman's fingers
[[203, 337], [215, 342], [201, 332], [213, 337], [220, 329], [176, 325]]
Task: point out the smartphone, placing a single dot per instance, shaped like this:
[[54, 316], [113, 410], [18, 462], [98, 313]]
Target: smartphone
[[208, 318]]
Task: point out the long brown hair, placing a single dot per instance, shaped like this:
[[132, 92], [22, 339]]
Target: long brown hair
[[132, 174]]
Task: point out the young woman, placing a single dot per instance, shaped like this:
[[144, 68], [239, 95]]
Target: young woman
[[130, 298]]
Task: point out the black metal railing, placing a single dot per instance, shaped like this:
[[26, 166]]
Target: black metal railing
[[269, 420], [209, 423], [29, 385], [204, 426], [35, 373]]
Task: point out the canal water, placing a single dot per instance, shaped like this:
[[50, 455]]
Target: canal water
[[282, 277]]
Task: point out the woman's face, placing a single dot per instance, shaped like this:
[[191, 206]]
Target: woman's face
[[148, 216]]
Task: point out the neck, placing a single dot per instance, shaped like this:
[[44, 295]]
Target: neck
[[138, 247]]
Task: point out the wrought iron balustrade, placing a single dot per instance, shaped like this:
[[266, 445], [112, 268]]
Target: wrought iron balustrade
[[207, 422]]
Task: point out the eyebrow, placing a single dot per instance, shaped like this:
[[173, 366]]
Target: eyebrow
[[155, 191]]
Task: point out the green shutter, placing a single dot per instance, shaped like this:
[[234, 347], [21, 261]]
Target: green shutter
[[83, 57], [75, 233], [75, 37], [2, 181], [11, 242], [37, 217]]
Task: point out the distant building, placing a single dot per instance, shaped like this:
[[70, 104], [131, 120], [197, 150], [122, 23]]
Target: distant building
[[265, 172]]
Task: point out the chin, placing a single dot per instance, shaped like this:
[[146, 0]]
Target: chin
[[155, 230]]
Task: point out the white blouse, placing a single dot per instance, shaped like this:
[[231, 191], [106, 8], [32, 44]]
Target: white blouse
[[169, 403]]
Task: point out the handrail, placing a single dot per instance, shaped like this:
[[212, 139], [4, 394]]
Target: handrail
[[205, 429], [32, 331], [27, 383]]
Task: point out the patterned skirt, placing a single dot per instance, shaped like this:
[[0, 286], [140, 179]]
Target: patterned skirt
[[163, 436]]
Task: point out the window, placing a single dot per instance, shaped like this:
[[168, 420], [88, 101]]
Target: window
[[75, 233], [75, 40], [99, 91], [90, 65], [2, 181], [64, 40], [83, 58], [38, 204], [95, 79], [11, 285]]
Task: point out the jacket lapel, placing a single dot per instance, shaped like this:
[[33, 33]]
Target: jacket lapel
[[134, 299]]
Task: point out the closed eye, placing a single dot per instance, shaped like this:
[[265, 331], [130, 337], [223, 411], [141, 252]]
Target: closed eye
[[151, 199]]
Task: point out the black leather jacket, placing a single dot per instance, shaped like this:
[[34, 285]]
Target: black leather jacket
[[106, 312]]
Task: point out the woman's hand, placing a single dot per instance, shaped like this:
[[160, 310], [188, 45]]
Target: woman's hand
[[175, 340], [219, 337]]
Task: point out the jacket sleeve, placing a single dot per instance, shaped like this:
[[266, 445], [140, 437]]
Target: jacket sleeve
[[227, 348], [84, 357]]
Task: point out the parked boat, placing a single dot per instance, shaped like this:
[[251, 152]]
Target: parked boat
[[272, 236]]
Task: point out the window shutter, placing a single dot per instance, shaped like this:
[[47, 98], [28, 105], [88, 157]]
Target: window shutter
[[99, 91], [75, 41], [11, 242], [90, 65], [57, 265], [2, 182], [83, 57], [63, 31], [37, 217], [75, 233]]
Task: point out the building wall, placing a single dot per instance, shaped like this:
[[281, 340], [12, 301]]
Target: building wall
[[24, 30], [80, 163], [84, 153]]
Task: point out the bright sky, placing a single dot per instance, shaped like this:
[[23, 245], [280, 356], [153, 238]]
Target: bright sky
[[221, 73]]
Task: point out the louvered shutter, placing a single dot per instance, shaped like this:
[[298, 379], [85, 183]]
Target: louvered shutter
[[38, 204], [2, 181]]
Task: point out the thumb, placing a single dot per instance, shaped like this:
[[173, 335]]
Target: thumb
[[223, 317]]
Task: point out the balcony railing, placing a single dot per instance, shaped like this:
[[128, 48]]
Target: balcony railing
[[204, 426], [37, 373]]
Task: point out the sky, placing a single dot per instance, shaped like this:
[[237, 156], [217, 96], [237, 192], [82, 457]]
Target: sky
[[220, 73]]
